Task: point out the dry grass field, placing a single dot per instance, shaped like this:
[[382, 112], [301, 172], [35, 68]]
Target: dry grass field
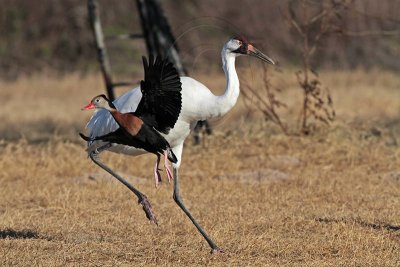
[[330, 199]]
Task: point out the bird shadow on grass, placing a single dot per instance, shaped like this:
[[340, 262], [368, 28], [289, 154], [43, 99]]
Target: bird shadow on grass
[[375, 226], [22, 234]]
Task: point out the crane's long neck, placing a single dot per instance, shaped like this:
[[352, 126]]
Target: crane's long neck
[[225, 102]]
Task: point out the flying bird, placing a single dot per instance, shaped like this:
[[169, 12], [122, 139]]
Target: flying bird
[[198, 103]]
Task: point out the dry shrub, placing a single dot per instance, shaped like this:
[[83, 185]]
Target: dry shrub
[[315, 26], [311, 21], [266, 100], [317, 103]]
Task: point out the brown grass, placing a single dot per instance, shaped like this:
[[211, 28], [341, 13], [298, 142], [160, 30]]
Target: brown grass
[[267, 199]]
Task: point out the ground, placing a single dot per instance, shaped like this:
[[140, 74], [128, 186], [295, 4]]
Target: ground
[[267, 199]]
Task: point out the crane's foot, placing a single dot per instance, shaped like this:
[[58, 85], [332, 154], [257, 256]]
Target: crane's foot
[[157, 175], [169, 174], [216, 250], [148, 209]]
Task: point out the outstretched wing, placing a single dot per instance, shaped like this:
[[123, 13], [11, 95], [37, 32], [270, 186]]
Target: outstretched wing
[[161, 100]]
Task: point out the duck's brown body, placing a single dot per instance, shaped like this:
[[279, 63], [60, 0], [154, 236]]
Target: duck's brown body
[[156, 113], [131, 123], [133, 131]]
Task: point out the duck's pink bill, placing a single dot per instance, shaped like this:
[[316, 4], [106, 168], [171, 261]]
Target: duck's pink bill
[[89, 106]]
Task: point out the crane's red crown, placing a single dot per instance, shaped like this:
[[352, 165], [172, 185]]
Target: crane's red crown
[[242, 39], [243, 45]]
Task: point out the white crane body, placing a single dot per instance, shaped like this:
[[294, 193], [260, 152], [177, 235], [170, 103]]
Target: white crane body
[[198, 103]]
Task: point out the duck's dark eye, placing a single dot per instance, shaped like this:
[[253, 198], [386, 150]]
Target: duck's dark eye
[[97, 100]]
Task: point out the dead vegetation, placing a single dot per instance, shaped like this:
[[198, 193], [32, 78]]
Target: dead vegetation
[[265, 99], [60, 39], [312, 24], [268, 199]]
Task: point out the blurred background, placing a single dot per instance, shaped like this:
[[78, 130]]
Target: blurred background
[[55, 34]]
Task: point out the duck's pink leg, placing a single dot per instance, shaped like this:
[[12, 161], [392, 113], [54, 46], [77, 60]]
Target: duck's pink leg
[[157, 175], [166, 165]]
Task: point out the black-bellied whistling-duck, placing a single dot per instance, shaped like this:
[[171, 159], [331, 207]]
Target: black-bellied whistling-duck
[[158, 111], [198, 103]]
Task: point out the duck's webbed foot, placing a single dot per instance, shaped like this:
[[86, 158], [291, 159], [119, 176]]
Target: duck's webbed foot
[[157, 175], [167, 169]]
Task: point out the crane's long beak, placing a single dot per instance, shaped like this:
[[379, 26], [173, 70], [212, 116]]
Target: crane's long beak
[[254, 52], [89, 106]]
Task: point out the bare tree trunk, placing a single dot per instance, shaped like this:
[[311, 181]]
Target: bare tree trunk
[[102, 56], [158, 35]]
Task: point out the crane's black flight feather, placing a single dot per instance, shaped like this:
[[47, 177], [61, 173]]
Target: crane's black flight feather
[[161, 88]]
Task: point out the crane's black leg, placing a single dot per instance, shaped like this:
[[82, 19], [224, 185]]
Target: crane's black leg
[[142, 199], [178, 200]]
